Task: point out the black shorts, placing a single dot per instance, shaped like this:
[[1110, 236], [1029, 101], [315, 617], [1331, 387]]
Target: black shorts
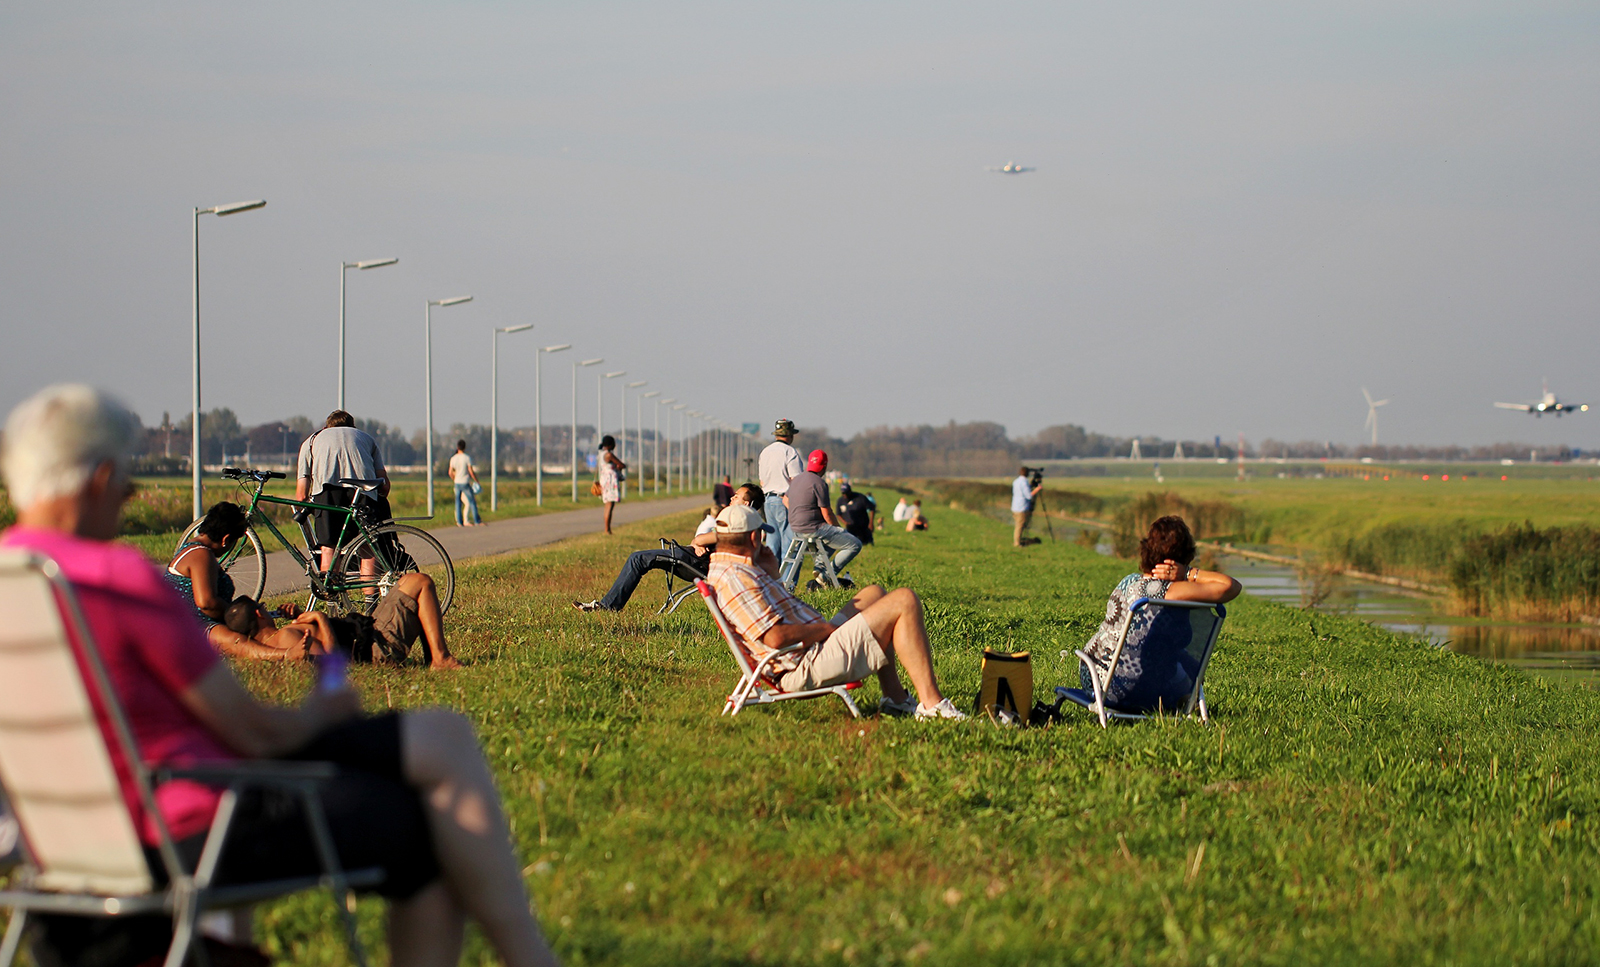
[[329, 524], [376, 819]]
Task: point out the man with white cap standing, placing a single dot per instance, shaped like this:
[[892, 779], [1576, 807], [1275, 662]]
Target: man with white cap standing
[[779, 464], [866, 637]]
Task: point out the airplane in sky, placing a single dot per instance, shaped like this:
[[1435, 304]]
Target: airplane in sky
[[1010, 168], [1547, 404]]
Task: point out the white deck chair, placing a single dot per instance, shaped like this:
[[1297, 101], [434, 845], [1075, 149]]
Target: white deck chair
[[755, 686], [82, 856], [676, 595], [1205, 623]]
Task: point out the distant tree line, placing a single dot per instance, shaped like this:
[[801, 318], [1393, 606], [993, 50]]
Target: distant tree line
[[980, 448]]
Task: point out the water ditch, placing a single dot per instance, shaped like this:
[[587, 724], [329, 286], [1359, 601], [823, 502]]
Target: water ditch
[[1567, 652]]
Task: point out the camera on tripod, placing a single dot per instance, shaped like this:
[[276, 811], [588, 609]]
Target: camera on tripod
[[1035, 476]]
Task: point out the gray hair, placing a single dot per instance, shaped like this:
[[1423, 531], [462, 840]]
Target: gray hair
[[56, 438]]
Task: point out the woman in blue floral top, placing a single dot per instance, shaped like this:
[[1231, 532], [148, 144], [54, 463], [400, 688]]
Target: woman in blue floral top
[[1154, 669]]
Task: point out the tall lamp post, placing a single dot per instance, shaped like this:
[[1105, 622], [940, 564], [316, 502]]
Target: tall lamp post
[[623, 396], [538, 423], [427, 376], [682, 442], [494, 412], [659, 403], [694, 446], [344, 269], [575, 364], [194, 454], [639, 418]]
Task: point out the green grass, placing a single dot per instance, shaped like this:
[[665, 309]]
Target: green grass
[[1359, 798]]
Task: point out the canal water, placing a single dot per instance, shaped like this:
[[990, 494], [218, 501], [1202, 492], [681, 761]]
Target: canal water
[[1570, 652], [1561, 651]]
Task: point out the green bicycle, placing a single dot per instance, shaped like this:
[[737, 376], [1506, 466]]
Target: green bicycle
[[389, 550]]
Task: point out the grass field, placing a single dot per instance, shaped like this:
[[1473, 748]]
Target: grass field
[[1359, 798]]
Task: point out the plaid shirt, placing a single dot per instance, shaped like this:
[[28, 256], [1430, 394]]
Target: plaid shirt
[[754, 602]]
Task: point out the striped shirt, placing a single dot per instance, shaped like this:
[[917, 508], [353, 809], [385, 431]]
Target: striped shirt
[[754, 602]]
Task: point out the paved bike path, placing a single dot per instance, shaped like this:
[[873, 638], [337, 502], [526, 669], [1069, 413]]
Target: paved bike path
[[502, 536]]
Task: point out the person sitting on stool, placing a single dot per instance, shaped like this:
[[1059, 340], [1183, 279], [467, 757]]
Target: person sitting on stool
[[810, 515]]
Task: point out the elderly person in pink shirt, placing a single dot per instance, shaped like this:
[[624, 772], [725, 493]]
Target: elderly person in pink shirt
[[413, 794]]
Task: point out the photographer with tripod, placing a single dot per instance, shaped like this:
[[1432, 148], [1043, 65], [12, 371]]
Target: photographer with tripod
[[1024, 490]]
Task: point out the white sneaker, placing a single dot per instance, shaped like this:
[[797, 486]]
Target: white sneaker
[[944, 710], [906, 706]]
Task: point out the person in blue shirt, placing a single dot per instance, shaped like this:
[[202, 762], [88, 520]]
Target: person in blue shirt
[[1022, 504]]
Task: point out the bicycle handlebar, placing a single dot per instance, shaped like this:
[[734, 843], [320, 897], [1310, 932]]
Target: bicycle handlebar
[[261, 476]]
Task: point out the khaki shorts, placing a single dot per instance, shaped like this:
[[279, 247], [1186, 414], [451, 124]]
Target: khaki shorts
[[850, 654], [395, 625]]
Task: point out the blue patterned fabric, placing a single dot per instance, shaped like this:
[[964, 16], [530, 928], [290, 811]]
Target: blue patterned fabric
[[1155, 667], [185, 587]]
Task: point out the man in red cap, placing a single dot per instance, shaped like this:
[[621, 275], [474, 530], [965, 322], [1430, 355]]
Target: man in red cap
[[810, 513]]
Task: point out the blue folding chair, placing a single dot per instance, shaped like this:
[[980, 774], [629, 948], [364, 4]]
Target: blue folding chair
[[1203, 625]]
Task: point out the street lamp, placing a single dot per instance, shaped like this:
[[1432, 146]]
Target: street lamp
[[665, 399], [587, 362], [194, 458], [345, 267], [494, 412], [639, 419], [427, 381], [694, 448], [623, 398], [682, 441], [538, 423]]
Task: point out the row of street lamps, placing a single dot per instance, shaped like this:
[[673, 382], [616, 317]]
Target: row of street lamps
[[725, 440]]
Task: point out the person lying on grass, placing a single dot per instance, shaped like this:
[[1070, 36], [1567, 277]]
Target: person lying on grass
[[867, 636], [688, 563], [412, 796], [385, 637], [1155, 670], [196, 572]]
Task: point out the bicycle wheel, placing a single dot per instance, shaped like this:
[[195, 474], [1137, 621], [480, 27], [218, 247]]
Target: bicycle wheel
[[246, 563], [396, 550]]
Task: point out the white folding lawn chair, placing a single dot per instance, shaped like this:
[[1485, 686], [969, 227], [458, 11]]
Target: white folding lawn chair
[[756, 686], [675, 595], [1204, 623], [59, 770]]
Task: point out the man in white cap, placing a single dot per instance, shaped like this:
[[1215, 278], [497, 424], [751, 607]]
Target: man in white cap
[[779, 464], [867, 636]]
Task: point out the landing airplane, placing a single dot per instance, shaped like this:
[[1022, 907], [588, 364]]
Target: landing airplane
[[1010, 168], [1547, 404]]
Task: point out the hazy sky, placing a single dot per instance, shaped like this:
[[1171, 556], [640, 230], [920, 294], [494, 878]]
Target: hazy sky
[[1243, 212]]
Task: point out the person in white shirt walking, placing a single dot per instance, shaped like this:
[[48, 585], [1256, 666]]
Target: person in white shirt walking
[[467, 486], [779, 464]]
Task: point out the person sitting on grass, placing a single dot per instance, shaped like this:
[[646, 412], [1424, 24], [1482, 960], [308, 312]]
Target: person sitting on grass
[[196, 572], [410, 610], [1158, 672], [689, 563], [914, 519], [868, 635], [412, 795]]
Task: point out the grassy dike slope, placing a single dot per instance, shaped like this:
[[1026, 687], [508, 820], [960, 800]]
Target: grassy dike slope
[[1357, 799]]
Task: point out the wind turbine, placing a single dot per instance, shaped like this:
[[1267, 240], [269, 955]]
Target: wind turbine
[[1372, 413]]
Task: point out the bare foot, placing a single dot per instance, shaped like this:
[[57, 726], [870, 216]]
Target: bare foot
[[447, 662]]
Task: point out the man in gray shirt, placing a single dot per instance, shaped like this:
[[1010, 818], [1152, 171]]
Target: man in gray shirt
[[333, 453], [810, 513]]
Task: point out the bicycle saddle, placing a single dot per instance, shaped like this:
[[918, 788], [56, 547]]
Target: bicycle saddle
[[366, 485]]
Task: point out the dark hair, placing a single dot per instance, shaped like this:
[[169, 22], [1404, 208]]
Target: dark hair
[[608, 442], [1169, 540], [340, 418], [224, 520], [461, 444], [241, 616], [751, 493]]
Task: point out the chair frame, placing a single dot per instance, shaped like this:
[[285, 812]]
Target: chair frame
[[186, 895], [756, 685], [794, 557], [1100, 676], [675, 597]]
